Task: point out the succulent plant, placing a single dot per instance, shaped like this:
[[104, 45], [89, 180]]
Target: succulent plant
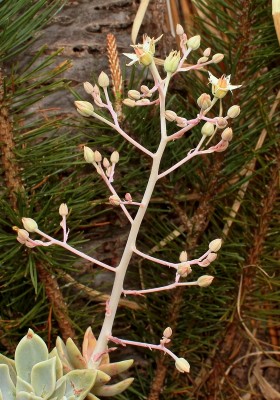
[[72, 360], [37, 375]]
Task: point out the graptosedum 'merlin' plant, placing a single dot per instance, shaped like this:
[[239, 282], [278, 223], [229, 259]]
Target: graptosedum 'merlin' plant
[[94, 357], [36, 374]]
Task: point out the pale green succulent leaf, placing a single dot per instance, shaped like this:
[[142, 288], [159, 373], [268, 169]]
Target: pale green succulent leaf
[[101, 378], [43, 378], [7, 387], [27, 396], [30, 351], [116, 368], [113, 390], [79, 383], [12, 367], [23, 386], [63, 355], [58, 363], [59, 389], [1, 397], [74, 355]]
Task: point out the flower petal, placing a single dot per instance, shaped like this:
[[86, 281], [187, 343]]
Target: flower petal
[[212, 79]]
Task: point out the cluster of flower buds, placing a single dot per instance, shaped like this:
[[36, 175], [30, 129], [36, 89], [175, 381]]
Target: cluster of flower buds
[[103, 81], [214, 247], [184, 268], [167, 333], [95, 158], [23, 237], [136, 98], [30, 226], [173, 117], [193, 44]]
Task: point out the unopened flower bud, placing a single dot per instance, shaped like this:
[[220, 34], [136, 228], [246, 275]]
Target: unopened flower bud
[[184, 269], [128, 197], [114, 200], [208, 129], [144, 89], [215, 245], [212, 257], [63, 210], [182, 365], [183, 256], [205, 280], [207, 52], [142, 102], [129, 102], [221, 122], [134, 94], [115, 157], [84, 108], [217, 58], [227, 134], [194, 42], [233, 111], [88, 155], [172, 61], [88, 87], [170, 115], [167, 333], [179, 30], [22, 235], [202, 60], [204, 101], [106, 163], [29, 224], [103, 80], [97, 156]]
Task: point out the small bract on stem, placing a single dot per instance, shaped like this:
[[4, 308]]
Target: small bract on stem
[[106, 166]]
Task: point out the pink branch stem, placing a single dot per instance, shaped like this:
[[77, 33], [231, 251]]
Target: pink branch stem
[[159, 289], [191, 154], [156, 260], [149, 346], [74, 251]]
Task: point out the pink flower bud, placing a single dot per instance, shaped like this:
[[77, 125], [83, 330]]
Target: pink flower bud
[[167, 333], [212, 257]]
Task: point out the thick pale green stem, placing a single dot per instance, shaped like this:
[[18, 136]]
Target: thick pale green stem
[[120, 271]]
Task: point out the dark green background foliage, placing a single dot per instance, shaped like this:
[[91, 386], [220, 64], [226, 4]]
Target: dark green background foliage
[[197, 198]]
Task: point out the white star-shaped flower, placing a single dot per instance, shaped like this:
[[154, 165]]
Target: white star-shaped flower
[[143, 52], [221, 86]]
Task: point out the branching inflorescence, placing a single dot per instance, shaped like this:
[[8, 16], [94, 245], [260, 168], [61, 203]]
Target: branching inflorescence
[[148, 97]]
